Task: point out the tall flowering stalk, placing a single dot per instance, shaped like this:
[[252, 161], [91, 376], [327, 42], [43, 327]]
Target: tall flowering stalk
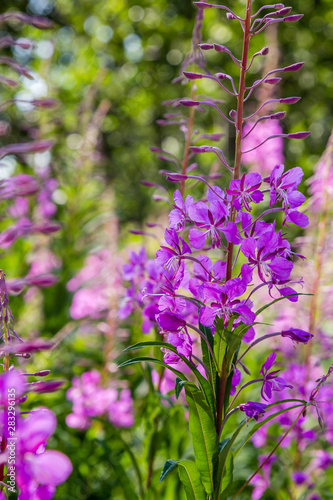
[[27, 468], [187, 291]]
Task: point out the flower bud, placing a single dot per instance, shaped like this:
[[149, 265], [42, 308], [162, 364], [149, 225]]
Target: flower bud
[[289, 100], [221, 76], [192, 76], [283, 12], [43, 281], [203, 5], [206, 46], [294, 18], [174, 177], [278, 6], [220, 48], [264, 51], [42, 373], [189, 103], [297, 335], [230, 15], [232, 113], [298, 135], [43, 386], [273, 81], [45, 103], [294, 67], [199, 149], [278, 116]]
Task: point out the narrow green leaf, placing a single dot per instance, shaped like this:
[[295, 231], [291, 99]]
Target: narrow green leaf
[[206, 355], [277, 300], [227, 475], [190, 477], [168, 466], [204, 383], [148, 359], [204, 436], [224, 462]]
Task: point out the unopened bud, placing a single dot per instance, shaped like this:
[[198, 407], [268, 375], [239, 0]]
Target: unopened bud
[[189, 103], [278, 116], [42, 373], [294, 67], [221, 76], [206, 46], [284, 11], [273, 81], [298, 135], [199, 149], [220, 48], [293, 19], [230, 15], [45, 103], [192, 76], [264, 51], [174, 177], [289, 100], [232, 113], [203, 5]]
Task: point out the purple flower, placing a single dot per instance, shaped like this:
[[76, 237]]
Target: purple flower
[[236, 379], [253, 410], [297, 335], [224, 302], [246, 190], [284, 188], [271, 381], [206, 272], [265, 253], [90, 399], [213, 221], [39, 471], [175, 327], [299, 477], [177, 217], [169, 257], [19, 185]]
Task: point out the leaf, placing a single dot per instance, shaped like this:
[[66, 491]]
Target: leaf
[[223, 444], [204, 436], [133, 361], [228, 474], [190, 477], [229, 384], [168, 466], [277, 300], [204, 383], [206, 355], [179, 386], [261, 423], [222, 482]]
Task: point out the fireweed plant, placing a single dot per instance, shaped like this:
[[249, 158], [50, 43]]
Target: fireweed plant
[[203, 306], [27, 468]]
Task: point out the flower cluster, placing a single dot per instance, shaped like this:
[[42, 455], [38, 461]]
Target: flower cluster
[[91, 399]]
